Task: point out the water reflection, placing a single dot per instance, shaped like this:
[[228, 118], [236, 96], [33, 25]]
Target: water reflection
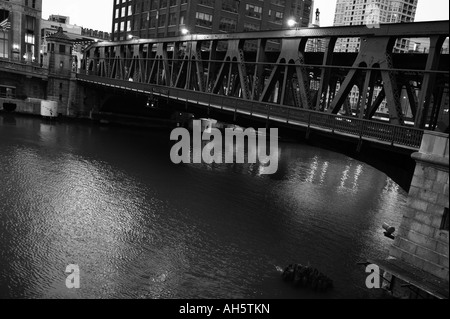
[[111, 201]]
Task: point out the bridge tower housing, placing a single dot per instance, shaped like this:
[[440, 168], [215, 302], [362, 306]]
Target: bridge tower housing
[[62, 84]]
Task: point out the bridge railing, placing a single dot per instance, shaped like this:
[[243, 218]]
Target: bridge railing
[[379, 132], [23, 67], [408, 137]]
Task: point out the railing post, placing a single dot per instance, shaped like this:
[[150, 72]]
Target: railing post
[[309, 120], [308, 130], [269, 108], [361, 129], [334, 123], [209, 105], [394, 131], [288, 115]]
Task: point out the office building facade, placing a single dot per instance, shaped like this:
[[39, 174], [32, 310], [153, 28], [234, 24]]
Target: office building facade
[[166, 18], [20, 30]]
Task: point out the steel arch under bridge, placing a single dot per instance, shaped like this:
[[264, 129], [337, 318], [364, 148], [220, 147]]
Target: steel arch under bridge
[[289, 71]]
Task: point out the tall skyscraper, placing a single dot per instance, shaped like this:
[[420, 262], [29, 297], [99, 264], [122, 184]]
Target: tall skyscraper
[[371, 13], [20, 30], [165, 18]]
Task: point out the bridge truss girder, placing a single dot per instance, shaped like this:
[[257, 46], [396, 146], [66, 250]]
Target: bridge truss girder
[[281, 70]]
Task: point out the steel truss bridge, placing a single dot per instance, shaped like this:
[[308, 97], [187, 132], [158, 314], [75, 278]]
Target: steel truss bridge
[[292, 76]]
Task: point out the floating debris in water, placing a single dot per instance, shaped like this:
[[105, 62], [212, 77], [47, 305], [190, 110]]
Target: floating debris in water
[[307, 277]]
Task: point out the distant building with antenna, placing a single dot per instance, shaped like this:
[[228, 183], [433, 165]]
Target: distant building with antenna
[[317, 44]]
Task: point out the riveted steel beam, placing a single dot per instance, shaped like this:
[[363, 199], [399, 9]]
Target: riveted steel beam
[[287, 75], [399, 30], [429, 80]]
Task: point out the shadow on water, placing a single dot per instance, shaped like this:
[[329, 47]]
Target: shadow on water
[[396, 163], [8, 119]]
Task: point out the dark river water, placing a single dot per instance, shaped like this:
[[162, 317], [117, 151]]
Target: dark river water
[[109, 200]]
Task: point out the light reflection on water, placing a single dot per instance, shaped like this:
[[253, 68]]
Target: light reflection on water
[[110, 200]]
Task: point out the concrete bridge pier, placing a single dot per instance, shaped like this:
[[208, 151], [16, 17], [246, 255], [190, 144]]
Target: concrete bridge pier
[[419, 262]]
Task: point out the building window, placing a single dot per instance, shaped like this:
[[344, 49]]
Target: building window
[[4, 33], [136, 26], [162, 20], [230, 5], [250, 27], [276, 16], [62, 48], [279, 2], [172, 18], [4, 44], [253, 11], [228, 25], [145, 18], [30, 23], [152, 22], [29, 47], [444, 225], [204, 19], [183, 18], [7, 91], [209, 3]]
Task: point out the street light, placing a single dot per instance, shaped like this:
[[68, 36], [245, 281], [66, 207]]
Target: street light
[[184, 31], [291, 23], [132, 37]]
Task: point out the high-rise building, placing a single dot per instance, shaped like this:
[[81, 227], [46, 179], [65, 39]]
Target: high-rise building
[[317, 44], [165, 18], [372, 13], [20, 30]]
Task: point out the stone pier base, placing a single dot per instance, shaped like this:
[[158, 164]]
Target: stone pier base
[[419, 259]]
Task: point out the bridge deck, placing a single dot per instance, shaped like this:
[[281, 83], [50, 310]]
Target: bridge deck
[[383, 133]]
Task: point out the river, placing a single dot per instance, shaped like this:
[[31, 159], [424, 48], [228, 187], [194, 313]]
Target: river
[[109, 200]]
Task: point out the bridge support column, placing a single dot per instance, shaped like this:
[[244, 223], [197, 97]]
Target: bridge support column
[[421, 249]]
